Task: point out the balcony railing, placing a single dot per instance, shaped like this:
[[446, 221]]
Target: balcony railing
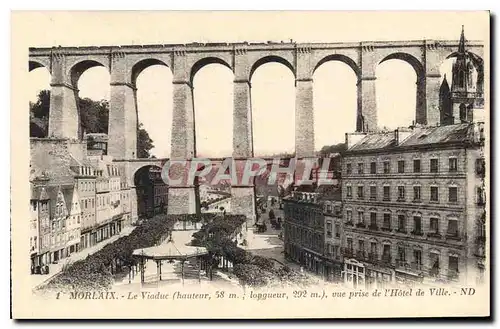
[[349, 223], [386, 229], [401, 230], [434, 271], [452, 274], [386, 259], [401, 263], [409, 266], [416, 266], [434, 235], [453, 236], [360, 225], [373, 227], [417, 232], [360, 255], [373, 257], [348, 253]]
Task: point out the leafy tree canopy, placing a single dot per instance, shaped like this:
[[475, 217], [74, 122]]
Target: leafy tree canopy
[[94, 118], [336, 148]]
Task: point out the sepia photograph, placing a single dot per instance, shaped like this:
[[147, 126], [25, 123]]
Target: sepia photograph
[[250, 165]]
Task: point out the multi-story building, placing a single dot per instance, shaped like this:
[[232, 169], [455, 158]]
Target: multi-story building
[[57, 211], [79, 197], [125, 202], [304, 230], [40, 224], [160, 191], [73, 221], [34, 234], [103, 201], [414, 198], [85, 181], [116, 210], [413, 204], [145, 193], [332, 211], [64, 208]]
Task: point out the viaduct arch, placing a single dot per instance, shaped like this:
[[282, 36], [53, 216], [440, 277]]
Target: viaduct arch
[[125, 63]]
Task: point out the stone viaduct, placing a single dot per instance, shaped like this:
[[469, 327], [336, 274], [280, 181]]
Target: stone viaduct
[[125, 63]]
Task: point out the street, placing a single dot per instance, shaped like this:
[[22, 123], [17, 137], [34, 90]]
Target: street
[[54, 269]]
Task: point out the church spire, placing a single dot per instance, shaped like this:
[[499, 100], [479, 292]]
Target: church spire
[[461, 45], [444, 85]]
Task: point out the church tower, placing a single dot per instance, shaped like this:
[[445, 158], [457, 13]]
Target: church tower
[[445, 105], [466, 87]]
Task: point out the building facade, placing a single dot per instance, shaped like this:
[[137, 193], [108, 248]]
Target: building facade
[[73, 220], [40, 224], [85, 180], [332, 210], [413, 205], [414, 208], [160, 191], [79, 197], [304, 231]]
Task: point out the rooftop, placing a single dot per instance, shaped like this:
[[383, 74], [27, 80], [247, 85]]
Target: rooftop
[[420, 136]]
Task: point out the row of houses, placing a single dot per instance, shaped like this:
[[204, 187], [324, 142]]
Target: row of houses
[[79, 198]]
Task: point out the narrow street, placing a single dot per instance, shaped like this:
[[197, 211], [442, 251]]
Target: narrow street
[[268, 244], [54, 269]]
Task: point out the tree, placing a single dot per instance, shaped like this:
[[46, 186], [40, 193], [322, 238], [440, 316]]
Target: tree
[[329, 149], [40, 109], [94, 118], [144, 143]]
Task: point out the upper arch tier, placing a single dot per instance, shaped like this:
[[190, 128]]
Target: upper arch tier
[[243, 58]]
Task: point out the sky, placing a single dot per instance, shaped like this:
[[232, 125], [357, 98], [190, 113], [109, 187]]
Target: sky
[[334, 90]]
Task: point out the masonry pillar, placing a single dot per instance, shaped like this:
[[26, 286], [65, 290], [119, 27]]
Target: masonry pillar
[[367, 105], [242, 196], [304, 118], [304, 113], [122, 127], [434, 56], [432, 85], [64, 118], [182, 198], [367, 101], [420, 114]]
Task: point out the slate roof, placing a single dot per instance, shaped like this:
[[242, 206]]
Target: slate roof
[[441, 134], [68, 192], [329, 192], [38, 193], [458, 133], [374, 141]]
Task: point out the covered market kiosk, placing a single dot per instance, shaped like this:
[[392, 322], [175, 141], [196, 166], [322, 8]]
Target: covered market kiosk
[[171, 252]]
